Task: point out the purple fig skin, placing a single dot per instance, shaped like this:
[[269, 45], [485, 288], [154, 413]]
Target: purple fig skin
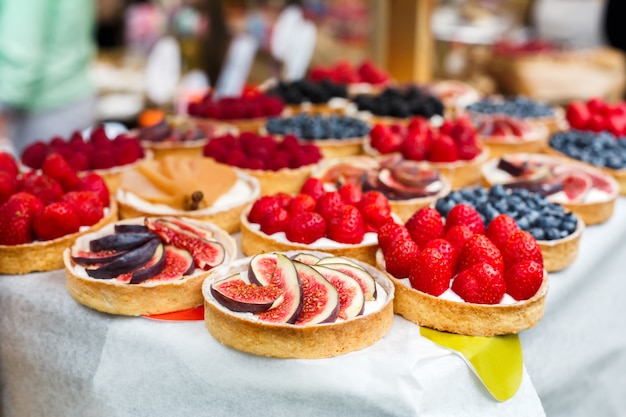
[[320, 297], [153, 267], [414, 175], [130, 228], [130, 261], [95, 258], [226, 293], [512, 169], [351, 298], [120, 241], [176, 265]]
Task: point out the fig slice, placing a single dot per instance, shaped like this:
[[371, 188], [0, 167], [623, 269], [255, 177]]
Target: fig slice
[[388, 181], [128, 262], [178, 263], [206, 253], [153, 267], [120, 241], [576, 185], [351, 298], [238, 295], [320, 299], [130, 228], [414, 174], [204, 233], [306, 258], [365, 280], [511, 168], [278, 270], [85, 258]]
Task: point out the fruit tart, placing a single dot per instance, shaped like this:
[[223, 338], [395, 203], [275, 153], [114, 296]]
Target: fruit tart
[[556, 229], [43, 212], [504, 134], [597, 115], [298, 304], [342, 223], [456, 276], [601, 150], [193, 187], [366, 78], [107, 156], [587, 192], [408, 185], [455, 95], [145, 266], [308, 96], [335, 136], [452, 149], [279, 164]]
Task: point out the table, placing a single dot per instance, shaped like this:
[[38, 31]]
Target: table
[[58, 358]]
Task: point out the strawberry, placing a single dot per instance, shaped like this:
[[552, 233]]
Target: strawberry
[[376, 215], [128, 150], [8, 186], [373, 197], [56, 167], [458, 236], [8, 164], [313, 187], [43, 187], [465, 215], [87, 206], [389, 143], [34, 154], [301, 203], [56, 220], [425, 225], [521, 246], [500, 229], [577, 115], [597, 123], [446, 249], [351, 193], [389, 233], [329, 204], [523, 279], [479, 249], [94, 182], [415, 145], [378, 132], [347, 226], [400, 257], [16, 221], [306, 228], [79, 162], [103, 158], [261, 207], [431, 272], [616, 124], [35, 204], [480, 284], [443, 149], [275, 221], [283, 199]]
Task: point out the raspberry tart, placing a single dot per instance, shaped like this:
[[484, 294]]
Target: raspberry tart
[[459, 277], [298, 304], [453, 149], [588, 192], [504, 134], [185, 186], [44, 212], [408, 185], [342, 223], [280, 165], [145, 266]]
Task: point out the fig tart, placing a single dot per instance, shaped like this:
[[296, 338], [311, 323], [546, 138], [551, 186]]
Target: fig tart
[[145, 266], [297, 304], [193, 187]]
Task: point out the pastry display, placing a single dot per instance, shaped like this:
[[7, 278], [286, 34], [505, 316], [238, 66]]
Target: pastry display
[[366, 78], [408, 185], [453, 149], [278, 164], [397, 105], [556, 229], [504, 134], [311, 96], [589, 193], [42, 213], [194, 187], [99, 153], [342, 223], [336, 136], [461, 277], [145, 266], [297, 304]]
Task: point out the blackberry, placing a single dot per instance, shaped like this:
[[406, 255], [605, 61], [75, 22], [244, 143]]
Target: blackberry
[[393, 102], [298, 92]]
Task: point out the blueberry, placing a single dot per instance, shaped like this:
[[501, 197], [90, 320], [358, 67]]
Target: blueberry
[[537, 233], [498, 191], [552, 234], [523, 223]]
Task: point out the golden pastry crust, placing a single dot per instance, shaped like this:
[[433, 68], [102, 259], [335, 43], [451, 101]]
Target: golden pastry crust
[[558, 254], [113, 297], [466, 318], [45, 255], [240, 125], [291, 341]]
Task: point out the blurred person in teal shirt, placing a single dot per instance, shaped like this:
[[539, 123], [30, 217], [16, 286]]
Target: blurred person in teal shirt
[[46, 49]]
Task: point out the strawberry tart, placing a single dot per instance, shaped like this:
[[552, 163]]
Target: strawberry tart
[[44, 212], [342, 223], [280, 165], [145, 266], [186, 187], [408, 185], [588, 192], [453, 149], [504, 134], [460, 277], [297, 304]]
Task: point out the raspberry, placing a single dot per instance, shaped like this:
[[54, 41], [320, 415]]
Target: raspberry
[[519, 247], [465, 215], [501, 229], [301, 203], [8, 164], [16, 220], [480, 284], [275, 221], [329, 205], [34, 154], [425, 225], [479, 249], [313, 187], [351, 193], [103, 158], [127, 151], [523, 279], [87, 206], [43, 187], [431, 272], [458, 236], [99, 138], [79, 162], [261, 207], [400, 257], [94, 182], [390, 233], [56, 220], [446, 249], [56, 167], [346, 226], [306, 228], [443, 149]]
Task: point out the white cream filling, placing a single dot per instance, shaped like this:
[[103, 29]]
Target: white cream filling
[[369, 238]]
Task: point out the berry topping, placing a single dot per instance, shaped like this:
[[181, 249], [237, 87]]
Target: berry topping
[[313, 187], [400, 257], [389, 233], [519, 247], [16, 221], [446, 249], [425, 225], [301, 91], [523, 279], [404, 103], [234, 108], [501, 229], [8, 164], [479, 249], [261, 207], [464, 215], [306, 228], [480, 284], [313, 127], [346, 226], [431, 272], [56, 220], [521, 107], [458, 236], [599, 149], [87, 206], [275, 221], [56, 167]]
